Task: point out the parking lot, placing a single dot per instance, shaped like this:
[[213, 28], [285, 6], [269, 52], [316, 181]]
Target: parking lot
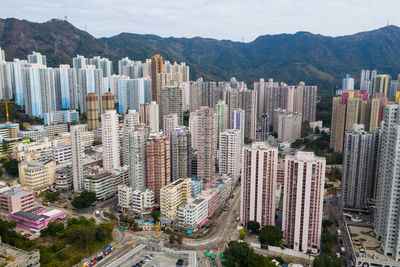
[[159, 260]]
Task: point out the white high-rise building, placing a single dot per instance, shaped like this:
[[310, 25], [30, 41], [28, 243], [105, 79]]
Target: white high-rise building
[[154, 117], [303, 201], [258, 184], [387, 216], [125, 194], [37, 58], [137, 157], [287, 125], [110, 140], [230, 152], [102, 63], [131, 120], [169, 125], [359, 166], [2, 56], [348, 83], [79, 62], [90, 80], [77, 149]]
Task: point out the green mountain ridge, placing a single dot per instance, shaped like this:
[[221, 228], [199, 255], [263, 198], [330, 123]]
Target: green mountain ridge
[[303, 56]]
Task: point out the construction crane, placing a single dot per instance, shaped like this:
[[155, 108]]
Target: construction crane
[[6, 102]]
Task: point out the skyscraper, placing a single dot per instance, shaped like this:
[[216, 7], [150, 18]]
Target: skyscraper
[[2, 56], [66, 83], [137, 157], [90, 80], [287, 125], [171, 102], [230, 152], [156, 67], [206, 145], [222, 109], [247, 100], [258, 184], [37, 58], [77, 156], [92, 104], [359, 166], [237, 121], [131, 121], [102, 63], [386, 216], [79, 62], [107, 102], [149, 115], [158, 163], [170, 123], [303, 200], [132, 93], [110, 140], [181, 153]]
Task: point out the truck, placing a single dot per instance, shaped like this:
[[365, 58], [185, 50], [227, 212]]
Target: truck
[[339, 232], [97, 213]]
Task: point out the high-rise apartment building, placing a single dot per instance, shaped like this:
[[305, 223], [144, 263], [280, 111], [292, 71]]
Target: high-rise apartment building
[[303, 200], [237, 121], [77, 149], [171, 102], [102, 63], [386, 216], [348, 83], [107, 102], [37, 58], [359, 166], [158, 167], [137, 157], [92, 104], [79, 62], [66, 83], [181, 153], [2, 56], [132, 93], [110, 140], [90, 80], [247, 100], [131, 121], [222, 110], [149, 115], [230, 152], [206, 145], [170, 123], [258, 184], [156, 67], [287, 125]]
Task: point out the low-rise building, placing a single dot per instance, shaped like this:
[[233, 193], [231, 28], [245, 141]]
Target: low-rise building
[[213, 197], [64, 179], [172, 196], [8, 130], [197, 186], [142, 200], [15, 257], [56, 117], [53, 130], [36, 219], [122, 175], [36, 133], [35, 151], [17, 199], [192, 214], [125, 194], [102, 184], [62, 154], [37, 176]]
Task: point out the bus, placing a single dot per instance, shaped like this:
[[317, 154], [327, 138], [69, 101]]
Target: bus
[[207, 254], [123, 228], [222, 255], [212, 256]]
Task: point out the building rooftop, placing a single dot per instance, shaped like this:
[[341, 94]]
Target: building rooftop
[[16, 193], [35, 209], [52, 213], [99, 176], [197, 201], [366, 245], [28, 215]]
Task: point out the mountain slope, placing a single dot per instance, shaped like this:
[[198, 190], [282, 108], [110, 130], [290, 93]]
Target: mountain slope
[[313, 58]]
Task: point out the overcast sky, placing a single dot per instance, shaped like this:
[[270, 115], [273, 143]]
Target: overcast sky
[[221, 19]]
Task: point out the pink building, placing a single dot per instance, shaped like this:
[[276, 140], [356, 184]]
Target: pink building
[[36, 219], [303, 201], [258, 184], [213, 198], [17, 199]]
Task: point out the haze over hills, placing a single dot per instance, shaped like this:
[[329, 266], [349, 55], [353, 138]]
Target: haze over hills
[[313, 58]]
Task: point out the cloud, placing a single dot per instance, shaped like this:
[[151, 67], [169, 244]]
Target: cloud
[[221, 19]]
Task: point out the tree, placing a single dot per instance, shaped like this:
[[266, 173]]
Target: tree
[[270, 235], [96, 143], [179, 239], [305, 129], [84, 200], [242, 234], [327, 260], [241, 255], [171, 239], [11, 167], [253, 226], [326, 223], [51, 196], [155, 213]]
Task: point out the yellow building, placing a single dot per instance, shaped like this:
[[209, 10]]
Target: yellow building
[[37, 176], [172, 196]]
